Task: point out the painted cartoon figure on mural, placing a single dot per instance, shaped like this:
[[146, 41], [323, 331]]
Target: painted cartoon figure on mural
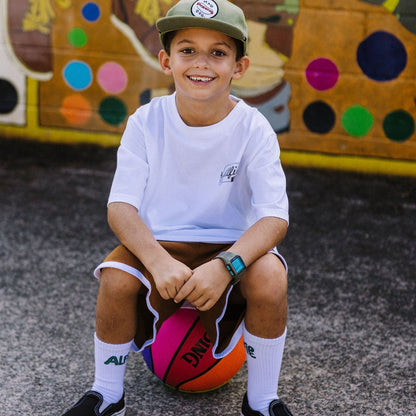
[[29, 29], [271, 25]]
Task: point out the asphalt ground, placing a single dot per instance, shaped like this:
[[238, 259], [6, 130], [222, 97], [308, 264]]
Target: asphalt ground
[[351, 249]]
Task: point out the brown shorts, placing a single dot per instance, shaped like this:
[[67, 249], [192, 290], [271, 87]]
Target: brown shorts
[[223, 322]]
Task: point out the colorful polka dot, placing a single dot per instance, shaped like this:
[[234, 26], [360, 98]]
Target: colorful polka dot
[[77, 75], [399, 126], [319, 117], [113, 111], [382, 56], [112, 77], [77, 37], [91, 12], [145, 97], [357, 121], [322, 74], [8, 97], [76, 109]]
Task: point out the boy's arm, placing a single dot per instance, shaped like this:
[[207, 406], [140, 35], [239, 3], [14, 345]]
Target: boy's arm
[[169, 274], [261, 237], [209, 280]]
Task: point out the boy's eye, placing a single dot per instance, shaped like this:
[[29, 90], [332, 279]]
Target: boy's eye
[[218, 53], [187, 51]]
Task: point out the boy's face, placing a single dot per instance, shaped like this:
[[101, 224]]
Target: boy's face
[[202, 63]]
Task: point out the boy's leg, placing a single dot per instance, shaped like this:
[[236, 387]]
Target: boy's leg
[[264, 285], [116, 311], [116, 316]]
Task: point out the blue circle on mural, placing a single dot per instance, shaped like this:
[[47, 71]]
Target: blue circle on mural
[[91, 12], [77, 75], [382, 56]]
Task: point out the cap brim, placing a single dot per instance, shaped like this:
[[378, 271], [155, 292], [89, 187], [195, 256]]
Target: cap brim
[[169, 24]]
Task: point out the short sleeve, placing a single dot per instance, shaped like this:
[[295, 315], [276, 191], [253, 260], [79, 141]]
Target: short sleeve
[[131, 174], [267, 179]]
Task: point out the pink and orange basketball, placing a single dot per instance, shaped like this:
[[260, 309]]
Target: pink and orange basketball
[[181, 355]]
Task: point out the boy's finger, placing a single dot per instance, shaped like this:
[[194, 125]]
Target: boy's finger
[[183, 292]]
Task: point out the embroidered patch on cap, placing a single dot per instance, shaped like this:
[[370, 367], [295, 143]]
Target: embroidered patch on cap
[[205, 8]]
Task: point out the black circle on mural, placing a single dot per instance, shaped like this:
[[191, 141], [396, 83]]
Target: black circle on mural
[[399, 126], [145, 97], [319, 117], [112, 110], [8, 97], [381, 56]]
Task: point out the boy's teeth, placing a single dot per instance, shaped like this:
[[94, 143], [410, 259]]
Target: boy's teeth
[[202, 79]]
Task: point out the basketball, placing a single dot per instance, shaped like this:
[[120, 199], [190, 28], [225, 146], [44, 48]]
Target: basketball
[[181, 355]]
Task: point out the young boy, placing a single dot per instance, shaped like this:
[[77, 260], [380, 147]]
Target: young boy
[[199, 203]]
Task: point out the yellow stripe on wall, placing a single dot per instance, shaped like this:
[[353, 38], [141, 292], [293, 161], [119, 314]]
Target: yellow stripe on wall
[[349, 163]]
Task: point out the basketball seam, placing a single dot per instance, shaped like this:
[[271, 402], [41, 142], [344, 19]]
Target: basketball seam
[[199, 375], [178, 349]]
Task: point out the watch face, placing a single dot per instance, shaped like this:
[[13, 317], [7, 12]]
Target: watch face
[[238, 264]]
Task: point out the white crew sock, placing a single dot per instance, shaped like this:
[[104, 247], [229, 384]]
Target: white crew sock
[[264, 359], [110, 366]]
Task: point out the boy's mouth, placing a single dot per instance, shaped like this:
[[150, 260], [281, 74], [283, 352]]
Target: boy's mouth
[[200, 78]]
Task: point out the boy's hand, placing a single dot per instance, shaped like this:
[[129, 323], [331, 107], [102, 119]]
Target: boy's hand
[[206, 285], [169, 277]]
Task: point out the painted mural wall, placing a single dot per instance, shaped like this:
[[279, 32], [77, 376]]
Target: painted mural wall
[[336, 79]]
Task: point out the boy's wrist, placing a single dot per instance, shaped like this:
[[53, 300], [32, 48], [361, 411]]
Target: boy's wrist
[[234, 265], [156, 257]]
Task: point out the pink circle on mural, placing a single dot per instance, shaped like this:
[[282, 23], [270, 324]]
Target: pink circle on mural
[[322, 74], [112, 77]]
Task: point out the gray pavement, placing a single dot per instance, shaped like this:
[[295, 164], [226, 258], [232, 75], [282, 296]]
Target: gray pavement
[[351, 250]]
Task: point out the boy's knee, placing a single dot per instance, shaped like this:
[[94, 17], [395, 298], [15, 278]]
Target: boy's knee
[[117, 283], [266, 279]]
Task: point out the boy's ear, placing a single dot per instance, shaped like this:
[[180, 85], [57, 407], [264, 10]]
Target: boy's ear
[[241, 67], [164, 61]]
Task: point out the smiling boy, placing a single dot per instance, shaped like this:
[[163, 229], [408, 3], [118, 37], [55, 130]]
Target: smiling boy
[[198, 203]]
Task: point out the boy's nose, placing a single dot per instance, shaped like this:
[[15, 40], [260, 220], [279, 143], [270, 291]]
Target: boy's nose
[[201, 60]]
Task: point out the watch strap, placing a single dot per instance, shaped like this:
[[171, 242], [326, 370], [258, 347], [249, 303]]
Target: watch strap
[[234, 264]]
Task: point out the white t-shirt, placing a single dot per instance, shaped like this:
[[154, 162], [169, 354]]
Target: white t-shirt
[[199, 184]]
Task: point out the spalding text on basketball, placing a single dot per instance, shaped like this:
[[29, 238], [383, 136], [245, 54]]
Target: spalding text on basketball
[[197, 351]]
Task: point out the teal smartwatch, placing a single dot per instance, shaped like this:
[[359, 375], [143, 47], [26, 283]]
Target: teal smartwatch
[[234, 264]]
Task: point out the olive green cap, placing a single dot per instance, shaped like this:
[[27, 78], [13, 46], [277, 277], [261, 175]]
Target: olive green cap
[[220, 15]]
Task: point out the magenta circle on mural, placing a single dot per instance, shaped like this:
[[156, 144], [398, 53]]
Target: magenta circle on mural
[[112, 77], [322, 74]]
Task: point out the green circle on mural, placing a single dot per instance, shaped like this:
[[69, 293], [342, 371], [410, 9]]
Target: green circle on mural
[[399, 126], [357, 121], [77, 37], [112, 110]]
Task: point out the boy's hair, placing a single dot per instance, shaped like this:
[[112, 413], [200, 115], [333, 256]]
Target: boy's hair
[[220, 15], [170, 35]]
